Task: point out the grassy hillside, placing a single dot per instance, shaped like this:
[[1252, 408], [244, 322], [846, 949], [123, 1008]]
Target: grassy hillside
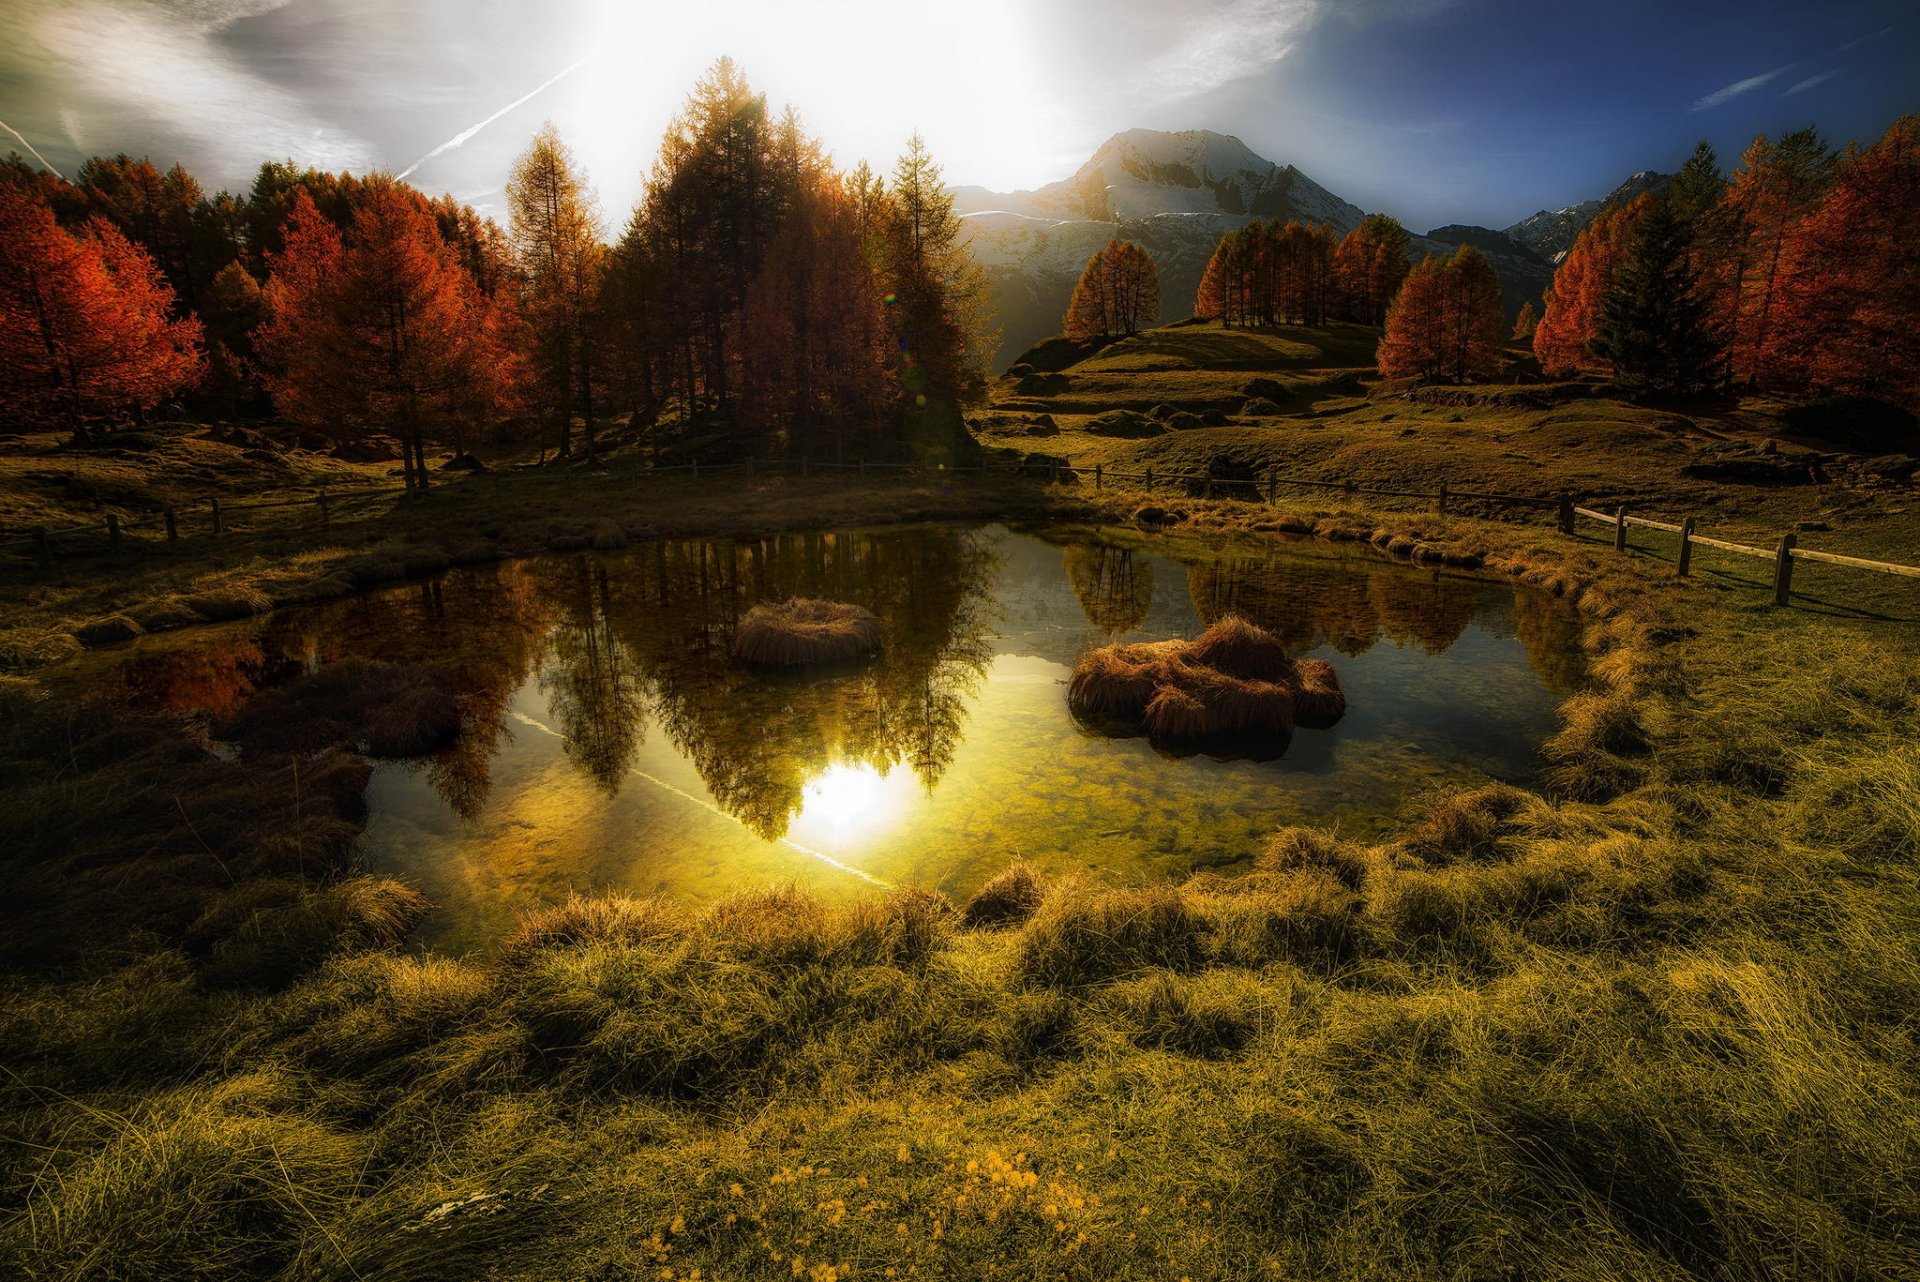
[[1652, 1022]]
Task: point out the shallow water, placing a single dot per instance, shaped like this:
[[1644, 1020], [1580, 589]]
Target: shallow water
[[612, 743]]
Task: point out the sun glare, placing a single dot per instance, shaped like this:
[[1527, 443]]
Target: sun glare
[[862, 75], [849, 803]]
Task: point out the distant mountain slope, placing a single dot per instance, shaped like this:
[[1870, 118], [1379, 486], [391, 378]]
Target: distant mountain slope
[[1174, 193], [1551, 233], [1524, 275]]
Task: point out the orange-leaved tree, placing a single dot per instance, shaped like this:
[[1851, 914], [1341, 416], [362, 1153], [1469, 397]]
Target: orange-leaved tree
[[1566, 331], [1847, 307], [1117, 294], [1445, 322], [1368, 266], [378, 328], [85, 329]]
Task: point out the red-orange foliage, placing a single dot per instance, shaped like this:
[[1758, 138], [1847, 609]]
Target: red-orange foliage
[[1579, 290], [1269, 273], [1117, 294], [1445, 322], [378, 329], [1846, 315], [1368, 266], [84, 324]]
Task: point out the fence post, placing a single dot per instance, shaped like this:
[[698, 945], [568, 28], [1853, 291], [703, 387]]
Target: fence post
[[1783, 570], [326, 518], [1440, 505], [43, 544], [1686, 548], [1149, 476], [1096, 476], [1208, 492], [216, 516], [1273, 482], [173, 527], [1620, 528], [696, 469], [113, 529], [1566, 512]]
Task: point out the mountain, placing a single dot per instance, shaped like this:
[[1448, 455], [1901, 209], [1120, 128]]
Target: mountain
[[1551, 233], [1174, 194], [1524, 274]]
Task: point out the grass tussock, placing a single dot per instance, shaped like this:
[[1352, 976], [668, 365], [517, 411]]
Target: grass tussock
[[802, 631], [1233, 681], [1005, 899]]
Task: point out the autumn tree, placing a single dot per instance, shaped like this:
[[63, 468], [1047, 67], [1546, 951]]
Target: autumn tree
[[1847, 310], [1655, 324], [86, 330], [1779, 184], [1445, 322], [377, 327], [1525, 323], [1567, 327], [556, 233], [1118, 294], [1270, 273], [1368, 266]]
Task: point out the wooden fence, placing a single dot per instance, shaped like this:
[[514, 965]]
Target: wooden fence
[[327, 504]]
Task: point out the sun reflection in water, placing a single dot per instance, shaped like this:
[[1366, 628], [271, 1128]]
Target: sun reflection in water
[[848, 804]]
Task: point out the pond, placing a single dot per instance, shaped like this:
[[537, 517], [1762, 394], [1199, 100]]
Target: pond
[[611, 742]]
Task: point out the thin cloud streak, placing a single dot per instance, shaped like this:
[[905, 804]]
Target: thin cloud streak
[[1871, 35], [461, 138], [1728, 93], [1811, 81], [30, 147]]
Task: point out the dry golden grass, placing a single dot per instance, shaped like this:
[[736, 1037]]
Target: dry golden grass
[[1235, 679], [803, 631]]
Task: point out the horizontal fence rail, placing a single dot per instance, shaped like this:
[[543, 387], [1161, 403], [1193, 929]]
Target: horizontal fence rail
[[327, 502]]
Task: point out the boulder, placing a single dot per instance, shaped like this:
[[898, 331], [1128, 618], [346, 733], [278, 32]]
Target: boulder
[[1043, 385], [1162, 412], [1181, 421], [367, 449], [1049, 466], [1127, 424], [1270, 388], [1042, 425], [1260, 407]]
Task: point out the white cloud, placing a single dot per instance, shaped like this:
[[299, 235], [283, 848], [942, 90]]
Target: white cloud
[[1804, 85], [1728, 93]]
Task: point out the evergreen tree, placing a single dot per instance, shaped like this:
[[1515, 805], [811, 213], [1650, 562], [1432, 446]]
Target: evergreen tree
[[1655, 324]]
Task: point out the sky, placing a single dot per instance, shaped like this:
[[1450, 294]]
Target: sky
[[1436, 111]]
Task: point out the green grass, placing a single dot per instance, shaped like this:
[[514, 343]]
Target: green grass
[[1655, 1022]]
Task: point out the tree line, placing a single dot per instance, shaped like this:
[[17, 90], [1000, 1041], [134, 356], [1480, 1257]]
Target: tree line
[[1795, 275], [758, 298]]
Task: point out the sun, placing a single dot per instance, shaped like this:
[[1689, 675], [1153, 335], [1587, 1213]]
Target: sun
[[850, 803]]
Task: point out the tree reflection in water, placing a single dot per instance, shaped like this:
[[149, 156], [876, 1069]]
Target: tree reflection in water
[[650, 633], [1114, 585]]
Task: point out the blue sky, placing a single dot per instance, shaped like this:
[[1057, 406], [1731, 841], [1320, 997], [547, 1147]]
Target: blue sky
[[1477, 111]]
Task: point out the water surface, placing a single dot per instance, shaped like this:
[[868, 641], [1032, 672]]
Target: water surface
[[612, 743]]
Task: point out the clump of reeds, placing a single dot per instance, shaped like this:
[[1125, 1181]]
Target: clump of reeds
[[804, 631], [1235, 679], [1007, 899], [1318, 700]]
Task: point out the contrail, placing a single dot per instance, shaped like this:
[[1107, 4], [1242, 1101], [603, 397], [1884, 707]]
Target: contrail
[[464, 135], [62, 177]]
